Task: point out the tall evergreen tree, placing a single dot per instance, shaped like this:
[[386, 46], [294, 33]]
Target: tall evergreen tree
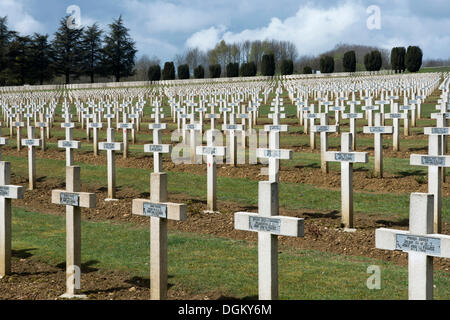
[[183, 72], [248, 69], [119, 51], [168, 72], [232, 70], [349, 61], [199, 72], [287, 67], [68, 54], [373, 61], [215, 71], [327, 64], [19, 66], [154, 73], [92, 49], [268, 65], [413, 59], [5, 38], [41, 59], [398, 59]]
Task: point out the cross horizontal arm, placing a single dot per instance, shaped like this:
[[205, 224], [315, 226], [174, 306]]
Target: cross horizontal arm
[[376, 129], [85, 199], [170, 211], [352, 157], [424, 160], [279, 225], [114, 146], [438, 244]]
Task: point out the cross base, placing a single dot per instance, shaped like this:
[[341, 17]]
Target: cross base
[[350, 230], [73, 296], [211, 212], [110, 199]]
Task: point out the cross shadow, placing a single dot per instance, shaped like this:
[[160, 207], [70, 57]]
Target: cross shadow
[[41, 179], [361, 169], [85, 267], [144, 282], [22, 254], [310, 166], [196, 201], [145, 195], [330, 215], [411, 173], [398, 223], [105, 290], [418, 149]]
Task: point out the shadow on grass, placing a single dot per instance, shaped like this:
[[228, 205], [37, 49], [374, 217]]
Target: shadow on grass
[[330, 215], [85, 267], [308, 166], [418, 149], [144, 282], [398, 223], [22, 254], [411, 173]]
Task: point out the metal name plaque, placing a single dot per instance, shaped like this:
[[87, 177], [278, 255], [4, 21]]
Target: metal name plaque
[[67, 125], [344, 157], [155, 148], [352, 115], [125, 125], [109, 145], [209, 150], [155, 210], [4, 191], [311, 115], [376, 129], [67, 144], [431, 246], [265, 224], [395, 115], [231, 127], [156, 125], [190, 127], [433, 161], [28, 142], [439, 130], [69, 199], [272, 153], [274, 128], [322, 128]]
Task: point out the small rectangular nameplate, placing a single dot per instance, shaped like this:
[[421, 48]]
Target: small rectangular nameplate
[[422, 244], [264, 224], [154, 210], [344, 156], [69, 199]]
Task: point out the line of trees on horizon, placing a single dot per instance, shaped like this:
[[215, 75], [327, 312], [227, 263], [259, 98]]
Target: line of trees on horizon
[[73, 52]]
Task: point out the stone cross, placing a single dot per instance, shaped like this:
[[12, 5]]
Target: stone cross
[[31, 142], [232, 127], [111, 147], [273, 153], [369, 109], [421, 244], [7, 192], [125, 126], [353, 116], [269, 225], [211, 151], [157, 148], [19, 124], [434, 161], [194, 129], [3, 142], [95, 126], [382, 103], [406, 109], [68, 144], [74, 200], [346, 157], [378, 132], [324, 129], [395, 116], [159, 211], [88, 116], [42, 125]]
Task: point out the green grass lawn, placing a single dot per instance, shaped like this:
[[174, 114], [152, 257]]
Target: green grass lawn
[[209, 264]]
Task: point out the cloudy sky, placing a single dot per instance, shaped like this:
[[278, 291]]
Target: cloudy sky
[[165, 28]]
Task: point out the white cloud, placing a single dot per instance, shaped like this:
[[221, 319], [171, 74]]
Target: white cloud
[[314, 30], [18, 18], [160, 16]]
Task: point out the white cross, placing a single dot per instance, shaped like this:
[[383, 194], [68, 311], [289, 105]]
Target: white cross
[[420, 243], [269, 226], [111, 147], [346, 157]]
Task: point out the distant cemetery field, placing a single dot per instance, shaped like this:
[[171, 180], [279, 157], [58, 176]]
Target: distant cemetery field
[[208, 258]]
